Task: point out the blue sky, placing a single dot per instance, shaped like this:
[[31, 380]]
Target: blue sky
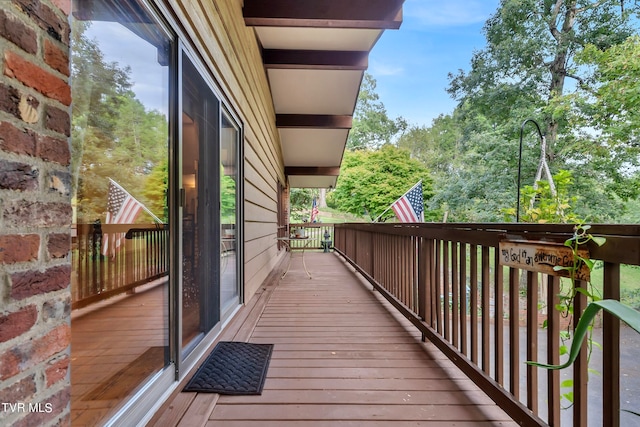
[[411, 64]]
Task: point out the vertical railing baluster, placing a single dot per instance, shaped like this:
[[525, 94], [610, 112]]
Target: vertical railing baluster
[[433, 289], [553, 351], [464, 298], [422, 277], [514, 332], [580, 366], [430, 313], [611, 350], [486, 311], [438, 286], [532, 340], [499, 318], [455, 295], [473, 304], [445, 289]]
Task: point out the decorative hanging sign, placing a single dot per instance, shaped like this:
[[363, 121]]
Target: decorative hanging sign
[[542, 257]]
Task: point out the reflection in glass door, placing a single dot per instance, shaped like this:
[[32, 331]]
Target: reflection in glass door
[[120, 169], [229, 137], [200, 136]]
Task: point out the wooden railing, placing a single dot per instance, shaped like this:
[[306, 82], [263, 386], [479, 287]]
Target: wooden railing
[[314, 231], [109, 259], [447, 279]]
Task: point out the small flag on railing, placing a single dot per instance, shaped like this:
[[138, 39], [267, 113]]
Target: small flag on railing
[[410, 207], [314, 211], [122, 208]]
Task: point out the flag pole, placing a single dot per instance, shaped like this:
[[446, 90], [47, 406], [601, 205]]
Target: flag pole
[[155, 218], [383, 212]]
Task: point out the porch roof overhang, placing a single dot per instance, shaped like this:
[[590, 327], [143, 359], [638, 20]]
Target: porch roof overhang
[[315, 54]]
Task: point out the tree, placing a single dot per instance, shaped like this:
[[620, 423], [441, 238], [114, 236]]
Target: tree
[[616, 98], [300, 200], [530, 50], [371, 126], [370, 181], [530, 69]]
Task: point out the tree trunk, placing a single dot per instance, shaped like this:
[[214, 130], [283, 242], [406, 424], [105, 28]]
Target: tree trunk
[[558, 67], [322, 200]]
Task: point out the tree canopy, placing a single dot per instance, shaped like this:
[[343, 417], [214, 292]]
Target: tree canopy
[[371, 180], [372, 127], [570, 65]]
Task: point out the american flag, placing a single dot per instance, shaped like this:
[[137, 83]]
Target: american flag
[[409, 207], [122, 208], [314, 210]]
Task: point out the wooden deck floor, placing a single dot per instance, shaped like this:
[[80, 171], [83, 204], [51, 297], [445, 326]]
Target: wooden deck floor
[[341, 358]]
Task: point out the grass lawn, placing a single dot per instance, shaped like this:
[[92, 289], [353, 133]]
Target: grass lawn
[[629, 283]]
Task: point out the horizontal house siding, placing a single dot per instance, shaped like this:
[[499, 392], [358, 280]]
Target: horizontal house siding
[[229, 49]]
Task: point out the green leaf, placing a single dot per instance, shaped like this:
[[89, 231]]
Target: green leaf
[[589, 263], [616, 308], [568, 396], [566, 383], [599, 240], [562, 350]]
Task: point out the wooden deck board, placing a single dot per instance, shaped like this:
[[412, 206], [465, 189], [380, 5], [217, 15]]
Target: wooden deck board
[[341, 358]]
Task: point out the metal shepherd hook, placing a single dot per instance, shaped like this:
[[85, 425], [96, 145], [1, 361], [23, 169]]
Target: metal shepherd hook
[[542, 164]]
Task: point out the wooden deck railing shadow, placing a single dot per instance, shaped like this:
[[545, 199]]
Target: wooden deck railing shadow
[[109, 259], [443, 278]]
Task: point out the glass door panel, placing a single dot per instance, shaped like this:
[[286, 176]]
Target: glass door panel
[[121, 66], [200, 135], [229, 140]]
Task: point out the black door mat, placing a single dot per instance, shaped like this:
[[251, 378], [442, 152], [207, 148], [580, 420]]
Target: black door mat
[[233, 368]]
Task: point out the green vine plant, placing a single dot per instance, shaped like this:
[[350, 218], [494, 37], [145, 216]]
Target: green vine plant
[[542, 205], [584, 327]]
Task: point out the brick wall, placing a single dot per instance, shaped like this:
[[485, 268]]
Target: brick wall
[[35, 212]]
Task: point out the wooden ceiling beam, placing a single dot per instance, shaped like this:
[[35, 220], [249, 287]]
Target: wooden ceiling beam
[[315, 59], [312, 170], [372, 14], [315, 121]]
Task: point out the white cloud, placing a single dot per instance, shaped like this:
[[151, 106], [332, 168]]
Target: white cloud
[[449, 13]]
